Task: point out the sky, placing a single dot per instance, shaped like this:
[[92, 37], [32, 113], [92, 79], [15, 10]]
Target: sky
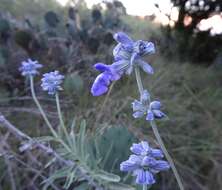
[[141, 8], [146, 7]]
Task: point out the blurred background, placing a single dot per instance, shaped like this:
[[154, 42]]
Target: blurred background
[[71, 36]]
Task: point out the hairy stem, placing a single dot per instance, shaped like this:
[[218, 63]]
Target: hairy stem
[[157, 135], [139, 81], [167, 155], [60, 116], [144, 187], [40, 108]]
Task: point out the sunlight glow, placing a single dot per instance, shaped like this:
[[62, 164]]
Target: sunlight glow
[[214, 24]]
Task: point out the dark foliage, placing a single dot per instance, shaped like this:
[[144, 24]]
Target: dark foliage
[[187, 38]]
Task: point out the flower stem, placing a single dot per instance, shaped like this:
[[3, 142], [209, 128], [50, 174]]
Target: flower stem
[[144, 187], [138, 80], [168, 157], [60, 116], [157, 135], [40, 108], [45, 117]]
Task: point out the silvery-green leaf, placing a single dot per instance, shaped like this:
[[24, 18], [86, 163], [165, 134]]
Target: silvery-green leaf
[[107, 176], [119, 186]]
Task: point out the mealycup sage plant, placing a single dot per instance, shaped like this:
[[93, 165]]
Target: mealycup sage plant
[[145, 161]]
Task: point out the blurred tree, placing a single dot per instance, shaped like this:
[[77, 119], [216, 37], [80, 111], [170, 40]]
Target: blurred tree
[[51, 19], [96, 15], [197, 10], [73, 24], [4, 30], [185, 39]]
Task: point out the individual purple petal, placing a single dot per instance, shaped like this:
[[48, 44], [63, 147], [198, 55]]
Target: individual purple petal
[[137, 105], [98, 90], [158, 114], [104, 78], [100, 85], [101, 67], [161, 165], [155, 105], [149, 178], [141, 177], [138, 114], [122, 38], [145, 177], [128, 166], [140, 148], [136, 159], [148, 161], [136, 148], [145, 66], [149, 116], [156, 153]]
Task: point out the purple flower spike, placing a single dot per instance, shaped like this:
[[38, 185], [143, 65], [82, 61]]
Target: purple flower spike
[[51, 82], [142, 108], [133, 52], [127, 54], [144, 163], [29, 68]]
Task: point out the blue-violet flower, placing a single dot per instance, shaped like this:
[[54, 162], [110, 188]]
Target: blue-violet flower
[[51, 82], [109, 73], [142, 107], [132, 52], [29, 68], [126, 54], [144, 163]]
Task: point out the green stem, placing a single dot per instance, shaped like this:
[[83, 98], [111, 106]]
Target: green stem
[[157, 135], [60, 116], [45, 117], [144, 187], [138, 80], [167, 155], [40, 108]]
